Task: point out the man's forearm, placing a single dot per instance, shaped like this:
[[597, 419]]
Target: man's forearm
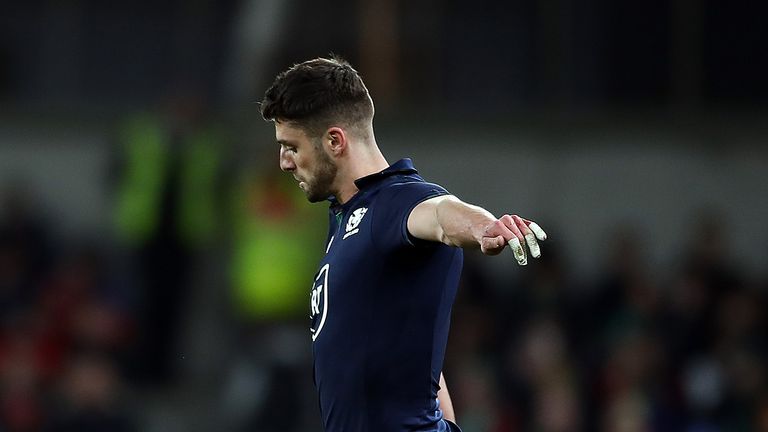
[[462, 224], [451, 221]]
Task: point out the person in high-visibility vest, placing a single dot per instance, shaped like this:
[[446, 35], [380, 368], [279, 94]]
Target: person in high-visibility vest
[[166, 211], [157, 158], [270, 257]]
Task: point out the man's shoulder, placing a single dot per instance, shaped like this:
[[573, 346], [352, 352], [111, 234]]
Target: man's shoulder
[[405, 182], [403, 192]]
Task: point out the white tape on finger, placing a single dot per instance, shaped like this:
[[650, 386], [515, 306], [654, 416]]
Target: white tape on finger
[[533, 245], [540, 234], [518, 251]]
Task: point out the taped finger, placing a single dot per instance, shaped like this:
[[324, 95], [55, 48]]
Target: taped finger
[[518, 251], [530, 239], [540, 234]]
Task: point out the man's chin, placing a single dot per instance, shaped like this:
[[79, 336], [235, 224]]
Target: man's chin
[[315, 197]]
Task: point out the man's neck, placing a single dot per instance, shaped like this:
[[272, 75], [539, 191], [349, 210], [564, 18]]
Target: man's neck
[[367, 161]]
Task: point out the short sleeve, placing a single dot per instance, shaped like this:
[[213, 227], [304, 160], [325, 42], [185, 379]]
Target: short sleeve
[[393, 206]]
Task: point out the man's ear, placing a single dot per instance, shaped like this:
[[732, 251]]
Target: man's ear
[[336, 140]]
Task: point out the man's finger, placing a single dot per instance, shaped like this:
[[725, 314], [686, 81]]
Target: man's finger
[[518, 251], [509, 222], [530, 238], [493, 245], [540, 234], [517, 243]]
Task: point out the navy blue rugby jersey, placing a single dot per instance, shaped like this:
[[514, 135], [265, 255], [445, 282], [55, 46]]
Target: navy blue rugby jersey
[[380, 309]]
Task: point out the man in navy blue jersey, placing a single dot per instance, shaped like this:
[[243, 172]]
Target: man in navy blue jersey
[[381, 299]]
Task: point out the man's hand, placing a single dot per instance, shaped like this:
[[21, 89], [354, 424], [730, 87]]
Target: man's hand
[[515, 231]]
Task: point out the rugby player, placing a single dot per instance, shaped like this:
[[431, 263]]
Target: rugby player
[[381, 298]]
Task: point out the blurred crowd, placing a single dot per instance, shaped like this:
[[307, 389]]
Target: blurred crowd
[[631, 350], [66, 329], [203, 243]]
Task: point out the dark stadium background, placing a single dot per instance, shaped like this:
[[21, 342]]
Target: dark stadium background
[[154, 270]]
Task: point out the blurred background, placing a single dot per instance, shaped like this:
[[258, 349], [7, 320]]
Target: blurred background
[[155, 265]]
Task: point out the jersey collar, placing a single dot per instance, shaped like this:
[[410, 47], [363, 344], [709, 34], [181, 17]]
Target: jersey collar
[[403, 166]]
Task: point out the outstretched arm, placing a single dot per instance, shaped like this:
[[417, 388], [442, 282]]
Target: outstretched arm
[[449, 220]]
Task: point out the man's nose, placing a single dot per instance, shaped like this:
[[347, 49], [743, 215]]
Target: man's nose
[[286, 162]]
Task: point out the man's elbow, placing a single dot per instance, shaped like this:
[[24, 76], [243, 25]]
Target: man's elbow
[[447, 240]]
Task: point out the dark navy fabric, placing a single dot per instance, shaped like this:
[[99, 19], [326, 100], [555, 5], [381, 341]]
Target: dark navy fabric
[[452, 427], [380, 309]]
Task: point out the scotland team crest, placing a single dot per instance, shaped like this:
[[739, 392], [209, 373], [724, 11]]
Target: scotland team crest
[[354, 220]]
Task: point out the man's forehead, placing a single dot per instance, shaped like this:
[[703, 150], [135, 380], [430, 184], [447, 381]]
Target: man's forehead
[[285, 131]]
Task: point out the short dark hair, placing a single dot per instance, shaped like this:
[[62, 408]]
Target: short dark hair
[[316, 93]]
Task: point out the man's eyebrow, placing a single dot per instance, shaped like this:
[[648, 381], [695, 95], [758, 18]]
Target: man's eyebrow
[[284, 142]]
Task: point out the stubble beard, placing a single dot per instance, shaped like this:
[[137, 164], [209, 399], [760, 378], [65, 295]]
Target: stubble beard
[[325, 174]]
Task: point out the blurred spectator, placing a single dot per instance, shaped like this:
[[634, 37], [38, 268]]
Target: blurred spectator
[[90, 398], [167, 214], [25, 249], [24, 362], [270, 262]]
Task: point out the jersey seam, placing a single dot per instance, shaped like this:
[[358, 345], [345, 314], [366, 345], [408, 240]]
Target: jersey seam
[[403, 224]]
